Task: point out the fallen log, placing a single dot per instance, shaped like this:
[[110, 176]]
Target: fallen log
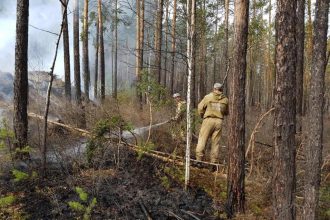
[[177, 159], [85, 132]]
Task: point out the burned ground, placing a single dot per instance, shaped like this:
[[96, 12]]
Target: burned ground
[[120, 191]]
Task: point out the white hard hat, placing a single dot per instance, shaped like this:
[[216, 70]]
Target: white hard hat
[[176, 95], [217, 86]]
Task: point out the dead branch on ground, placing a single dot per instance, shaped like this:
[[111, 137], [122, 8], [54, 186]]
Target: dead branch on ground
[[39, 117], [174, 215], [144, 209], [190, 214]]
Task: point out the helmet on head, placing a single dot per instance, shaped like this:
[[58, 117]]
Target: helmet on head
[[176, 95], [217, 86]]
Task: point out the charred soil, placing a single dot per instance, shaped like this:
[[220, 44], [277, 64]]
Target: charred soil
[[124, 189]]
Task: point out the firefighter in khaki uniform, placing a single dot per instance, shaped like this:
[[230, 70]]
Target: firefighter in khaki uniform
[[180, 113], [181, 107], [212, 109]]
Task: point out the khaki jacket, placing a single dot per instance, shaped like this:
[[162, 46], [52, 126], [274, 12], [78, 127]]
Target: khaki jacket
[[213, 105], [180, 110]]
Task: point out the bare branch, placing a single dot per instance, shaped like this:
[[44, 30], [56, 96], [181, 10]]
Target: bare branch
[[63, 4], [44, 149], [40, 29], [144, 209], [190, 214]]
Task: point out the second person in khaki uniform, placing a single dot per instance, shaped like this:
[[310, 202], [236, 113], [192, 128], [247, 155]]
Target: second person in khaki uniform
[[212, 109], [179, 127]]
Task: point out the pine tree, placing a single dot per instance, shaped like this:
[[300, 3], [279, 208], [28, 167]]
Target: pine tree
[[313, 148], [101, 51], [285, 107], [235, 187], [85, 51], [76, 51], [21, 74], [66, 49]]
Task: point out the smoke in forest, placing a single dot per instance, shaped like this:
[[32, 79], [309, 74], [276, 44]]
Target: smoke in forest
[[45, 15]]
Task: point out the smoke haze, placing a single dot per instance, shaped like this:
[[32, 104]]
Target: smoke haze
[[47, 15], [44, 15]]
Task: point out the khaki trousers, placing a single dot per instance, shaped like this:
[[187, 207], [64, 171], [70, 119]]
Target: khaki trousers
[[211, 127]]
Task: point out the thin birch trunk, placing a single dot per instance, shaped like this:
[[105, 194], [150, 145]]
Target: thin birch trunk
[[96, 71], [190, 52]]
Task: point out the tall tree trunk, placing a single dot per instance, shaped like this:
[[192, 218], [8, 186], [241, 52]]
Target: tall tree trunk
[[166, 42], [116, 52], [191, 11], [193, 56], [76, 51], [285, 108], [300, 42], [173, 46], [308, 60], [137, 42], [235, 187], [139, 45], [269, 78], [203, 61], [101, 51], [66, 49], [226, 50], [112, 62], [96, 71], [252, 59], [315, 114], [158, 41], [141, 35], [85, 52], [141, 42], [21, 74], [215, 47]]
